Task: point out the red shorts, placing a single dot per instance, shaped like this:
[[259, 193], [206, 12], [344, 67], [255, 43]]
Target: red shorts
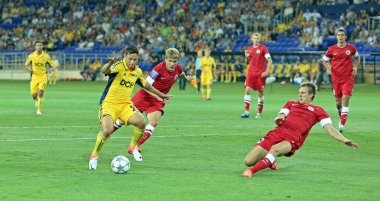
[[147, 103], [256, 82], [275, 137], [343, 88]]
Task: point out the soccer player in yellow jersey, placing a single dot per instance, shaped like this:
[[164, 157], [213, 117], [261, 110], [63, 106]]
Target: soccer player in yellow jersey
[[53, 75], [116, 103], [208, 67], [36, 65]]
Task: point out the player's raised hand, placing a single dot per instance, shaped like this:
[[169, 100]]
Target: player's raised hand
[[279, 120], [351, 144], [112, 60]]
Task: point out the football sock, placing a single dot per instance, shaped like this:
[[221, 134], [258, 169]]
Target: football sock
[[147, 133], [208, 93], [136, 135], [266, 162], [247, 102], [339, 108], [260, 106], [40, 100], [344, 114], [222, 77], [100, 140], [198, 86]]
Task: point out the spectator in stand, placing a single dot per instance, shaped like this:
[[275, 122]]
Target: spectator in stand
[[372, 38], [315, 15], [95, 69], [85, 73]]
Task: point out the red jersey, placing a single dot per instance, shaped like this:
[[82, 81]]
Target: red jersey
[[161, 79], [300, 118], [341, 62], [257, 59]]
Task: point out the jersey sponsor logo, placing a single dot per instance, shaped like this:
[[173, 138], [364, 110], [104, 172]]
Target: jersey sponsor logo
[[348, 52], [310, 108], [335, 54], [38, 64], [258, 51], [153, 74], [127, 84]]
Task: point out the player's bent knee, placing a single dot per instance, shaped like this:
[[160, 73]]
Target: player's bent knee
[[107, 132], [248, 163]]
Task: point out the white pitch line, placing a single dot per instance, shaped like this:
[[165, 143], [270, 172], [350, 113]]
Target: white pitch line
[[83, 126], [93, 138]]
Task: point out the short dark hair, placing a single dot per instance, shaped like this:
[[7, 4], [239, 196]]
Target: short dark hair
[[38, 41], [131, 50], [311, 88], [341, 29]]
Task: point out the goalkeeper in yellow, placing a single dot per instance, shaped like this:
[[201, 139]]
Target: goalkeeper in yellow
[[36, 65], [208, 67], [115, 102]]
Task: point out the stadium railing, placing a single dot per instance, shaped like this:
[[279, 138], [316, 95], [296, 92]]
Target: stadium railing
[[12, 64]]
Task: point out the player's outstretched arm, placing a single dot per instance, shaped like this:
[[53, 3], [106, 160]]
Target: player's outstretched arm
[[338, 136], [189, 78]]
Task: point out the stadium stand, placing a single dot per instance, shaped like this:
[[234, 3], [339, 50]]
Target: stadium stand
[[99, 29]]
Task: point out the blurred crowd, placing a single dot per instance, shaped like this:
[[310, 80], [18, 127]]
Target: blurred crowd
[[155, 25]]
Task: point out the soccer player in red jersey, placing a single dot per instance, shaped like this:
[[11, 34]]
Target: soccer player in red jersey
[[257, 57], [342, 72], [162, 77], [294, 122]]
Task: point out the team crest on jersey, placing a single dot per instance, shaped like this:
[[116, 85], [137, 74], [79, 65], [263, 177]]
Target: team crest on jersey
[[258, 51], [175, 77], [348, 52], [310, 108], [113, 67], [153, 74]]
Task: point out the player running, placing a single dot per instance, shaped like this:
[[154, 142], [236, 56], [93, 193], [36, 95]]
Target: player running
[[162, 77]]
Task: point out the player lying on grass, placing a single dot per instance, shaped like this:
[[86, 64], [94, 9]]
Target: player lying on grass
[[294, 122]]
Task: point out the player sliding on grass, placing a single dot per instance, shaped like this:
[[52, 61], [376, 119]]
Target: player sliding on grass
[[294, 122], [115, 102], [162, 77]]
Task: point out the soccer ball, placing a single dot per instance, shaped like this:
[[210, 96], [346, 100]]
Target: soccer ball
[[120, 164]]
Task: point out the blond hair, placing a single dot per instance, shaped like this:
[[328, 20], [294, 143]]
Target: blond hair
[[172, 52], [256, 34]]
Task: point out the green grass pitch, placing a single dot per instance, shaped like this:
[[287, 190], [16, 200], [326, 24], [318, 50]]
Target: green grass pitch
[[196, 153]]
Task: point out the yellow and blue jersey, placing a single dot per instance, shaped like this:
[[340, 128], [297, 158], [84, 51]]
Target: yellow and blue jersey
[[121, 83], [39, 62]]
